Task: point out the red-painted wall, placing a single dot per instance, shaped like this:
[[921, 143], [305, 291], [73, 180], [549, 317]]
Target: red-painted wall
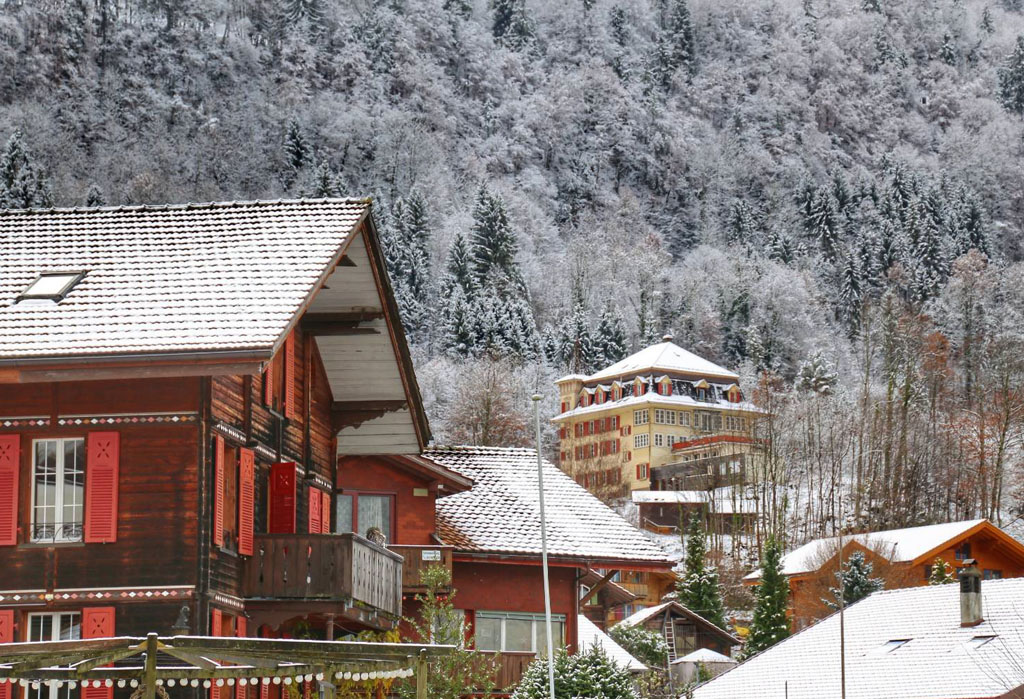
[[502, 587], [414, 514]]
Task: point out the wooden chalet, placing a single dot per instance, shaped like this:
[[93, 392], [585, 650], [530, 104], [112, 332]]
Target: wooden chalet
[[177, 387], [684, 630]]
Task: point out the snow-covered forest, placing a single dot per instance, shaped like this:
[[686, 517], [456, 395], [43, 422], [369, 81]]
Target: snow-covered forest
[[827, 195]]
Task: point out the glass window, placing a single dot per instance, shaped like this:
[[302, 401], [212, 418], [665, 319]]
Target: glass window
[[557, 636], [58, 482], [66, 626], [640, 441], [641, 417], [375, 511], [53, 285], [488, 633], [343, 513], [518, 635]]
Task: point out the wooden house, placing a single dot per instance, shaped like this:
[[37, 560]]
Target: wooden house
[[177, 386], [900, 558], [684, 630]]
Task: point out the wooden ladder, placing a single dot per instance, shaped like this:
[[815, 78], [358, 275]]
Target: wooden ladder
[[670, 637]]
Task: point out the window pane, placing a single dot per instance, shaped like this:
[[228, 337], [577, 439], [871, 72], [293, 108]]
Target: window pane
[[557, 635], [488, 633], [44, 510], [70, 627], [73, 489], [375, 511], [343, 514], [518, 635]]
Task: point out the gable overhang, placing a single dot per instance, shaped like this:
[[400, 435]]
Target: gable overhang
[[513, 558], [354, 317], [447, 480], [1008, 545]]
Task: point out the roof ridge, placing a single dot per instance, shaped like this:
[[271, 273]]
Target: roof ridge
[[187, 206]]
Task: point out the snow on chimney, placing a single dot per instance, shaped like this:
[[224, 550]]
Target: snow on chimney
[[970, 594]]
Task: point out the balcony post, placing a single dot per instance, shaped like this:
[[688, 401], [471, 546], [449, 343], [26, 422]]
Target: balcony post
[[421, 675]]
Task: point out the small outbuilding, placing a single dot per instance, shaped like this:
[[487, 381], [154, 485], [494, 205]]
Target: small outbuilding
[[701, 664]]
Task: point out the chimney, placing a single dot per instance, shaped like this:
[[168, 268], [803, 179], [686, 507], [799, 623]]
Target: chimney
[[970, 594]]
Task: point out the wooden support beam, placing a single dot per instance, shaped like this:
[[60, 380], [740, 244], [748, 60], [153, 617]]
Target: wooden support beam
[[421, 675], [360, 315], [318, 330], [149, 675], [597, 588]]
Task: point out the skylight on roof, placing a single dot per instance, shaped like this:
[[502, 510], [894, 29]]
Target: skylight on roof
[[889, 646], [52, 285], [979, 641]]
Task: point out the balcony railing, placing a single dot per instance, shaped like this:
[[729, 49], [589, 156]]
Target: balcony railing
[[417, 559], [324, 567], [511, 666]]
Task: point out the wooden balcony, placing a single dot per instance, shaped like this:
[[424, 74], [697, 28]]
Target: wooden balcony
[[511, 668], [324, 568], [419, 558]]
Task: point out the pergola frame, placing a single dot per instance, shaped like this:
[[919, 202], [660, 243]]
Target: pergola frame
[[207, 661]]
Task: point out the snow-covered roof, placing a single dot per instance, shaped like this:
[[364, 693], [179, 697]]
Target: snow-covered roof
[[940, 659], [667, 357], [590, 637], [897, 545], [656, 399], [571, 377], [643, 615], [501, 514], [704, 655], [721, 500], [222, 277]]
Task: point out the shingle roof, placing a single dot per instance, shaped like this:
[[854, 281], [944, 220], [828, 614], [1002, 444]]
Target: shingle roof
[[501, 513], [664, 356], [673, 607], [161, 279], [897, 545], [938, 662]]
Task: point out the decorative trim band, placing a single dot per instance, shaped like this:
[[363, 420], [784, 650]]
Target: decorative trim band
[[31, 421], [229, 431], [126, 594], [140, 419], [226, 600], [319, 480]]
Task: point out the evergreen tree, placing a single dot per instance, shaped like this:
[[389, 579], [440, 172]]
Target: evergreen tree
[[824, 223], [699, 589], [779, 247], [987, 25], [304, 11], [676, 48], [460, 268], [577, 352], [850, 296], [948, 50], [494, 244], [647, 646], [324, 183], [22, 185], [1011, 80], [942, 573], [817, 376], [610, 339], [510, 25], [770, 624], [742, 225], [590, 674], [94, 197], [296, 150], [855, 581]]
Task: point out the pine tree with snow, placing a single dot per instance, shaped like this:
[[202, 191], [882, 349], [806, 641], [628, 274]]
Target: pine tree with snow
[[324, 183], [493, 244], [511, 25], [771, 623], [459, 337], [699, 589], [22, 185], [1011, 80], [987, 24], [296, 151], [779, 247], [576, 345], [850, 296], [590, 674], [948, 51], [824, 223], [941, 574], [94, 197], [609, 339], [817, 376], [460, 268], [855, 581]]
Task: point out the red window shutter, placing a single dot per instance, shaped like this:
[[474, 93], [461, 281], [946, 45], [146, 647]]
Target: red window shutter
[[282, 498], [268, 385], [97, 622], [314, 511], [325, 512], [218, 491], [6, 636], [103, 454], [289, 375], [246, 501], [10, 458]]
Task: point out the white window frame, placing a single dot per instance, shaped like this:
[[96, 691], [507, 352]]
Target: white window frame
[[659, 439], [641, 441], [664, 417], [684, 418], [641, 417], [52, 692], [58, 503], [538, 622]]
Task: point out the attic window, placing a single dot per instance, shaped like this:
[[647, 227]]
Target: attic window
[[52, 286]]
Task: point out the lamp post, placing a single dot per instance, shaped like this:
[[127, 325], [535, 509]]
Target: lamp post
[[544, 550]]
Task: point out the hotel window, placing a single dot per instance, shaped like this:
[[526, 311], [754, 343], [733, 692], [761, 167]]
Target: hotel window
[[360, 512], [665, 417], [641, 417], [684, 418], [58, 489], [641, 441], [64, 626], [517, 633], [659, 439]]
